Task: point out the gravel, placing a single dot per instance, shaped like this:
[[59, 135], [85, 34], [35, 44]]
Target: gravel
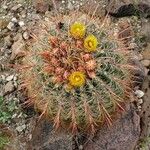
[[9, 87], [139, 93]]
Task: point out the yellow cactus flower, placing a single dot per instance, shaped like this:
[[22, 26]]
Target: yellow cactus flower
[[90, 43], [77, 30], [77, 79]]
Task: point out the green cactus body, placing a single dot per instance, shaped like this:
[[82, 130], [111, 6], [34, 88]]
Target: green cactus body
[[78, 74]]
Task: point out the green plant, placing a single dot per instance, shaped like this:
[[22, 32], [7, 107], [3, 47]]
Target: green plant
[[77, 71], [144, 143], [4, 140], [6, 110]]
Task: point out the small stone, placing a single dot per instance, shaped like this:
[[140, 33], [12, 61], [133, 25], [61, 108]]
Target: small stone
[[5, 7], [140, 57], [133, 45], [145, 62], [146, 52], [18, 48], [46, 19], [9, 78], [7, 41], [11, 26], [139, 108], [70, 6], [139, 93], [16, 7], [146, 71], [9, 87], [81, 147], [41, 6], [21, 128], [15, 84], [14, 116], [14, 20], [140, 101], [21, 23], [15, 78], [25, 35], [3, 77], [145, 30], [23, 15], [3, 23], [30, 136], [63, 1]]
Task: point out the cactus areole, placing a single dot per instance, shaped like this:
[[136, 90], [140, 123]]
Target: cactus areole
[[78, 75]]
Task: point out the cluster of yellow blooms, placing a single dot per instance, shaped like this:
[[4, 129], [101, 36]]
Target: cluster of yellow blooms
[[78, 31]]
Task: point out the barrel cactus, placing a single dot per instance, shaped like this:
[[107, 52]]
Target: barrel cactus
[[77, 71]]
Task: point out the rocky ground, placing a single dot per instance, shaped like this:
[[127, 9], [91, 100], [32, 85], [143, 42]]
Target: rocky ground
[[21, 124]]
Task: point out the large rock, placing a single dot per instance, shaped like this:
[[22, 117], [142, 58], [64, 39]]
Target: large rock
[[45, 138], [121, 8], [145, 114], [123, 135]]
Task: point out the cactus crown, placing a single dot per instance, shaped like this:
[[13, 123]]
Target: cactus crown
[[79, 74]]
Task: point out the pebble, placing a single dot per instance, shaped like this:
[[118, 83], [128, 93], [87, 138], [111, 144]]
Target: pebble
[[21, 23], [139, 93], [133, 45], [9, 87], [139, 108], [81, 147], [140, 101], [41, 6], [140, 57], [146, 52], [16, 7], [3, 77], [14, 116], [70, 6], [3, 23], [15, 84], [7, 41], [15, 78], [21, 128], [25, 35], [146, 71], [4, 7], [18, 47], [11, 26], [146, 62], [23, 15], [14, 19], [9, 78]]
